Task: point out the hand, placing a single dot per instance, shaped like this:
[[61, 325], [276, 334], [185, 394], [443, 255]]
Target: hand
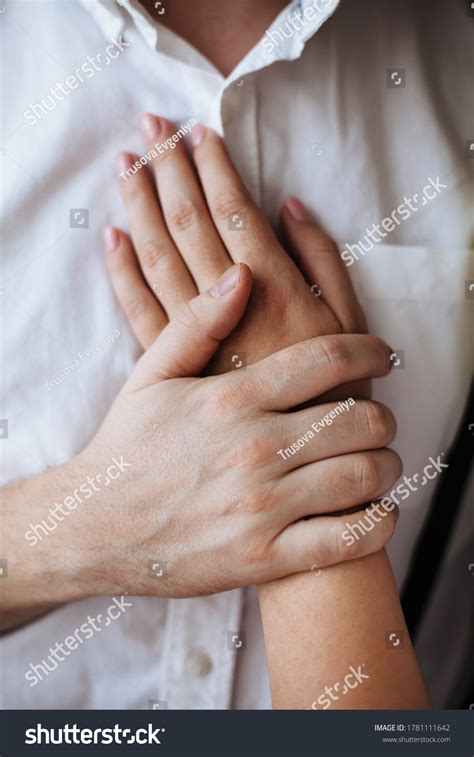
[[209, 494], [202, 487], [159, 266], [106, 545], [189, 239], [178, 247], [294, 601]]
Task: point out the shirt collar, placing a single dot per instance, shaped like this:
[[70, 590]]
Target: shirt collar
[[284, 39], [107, 15], [111, 17]]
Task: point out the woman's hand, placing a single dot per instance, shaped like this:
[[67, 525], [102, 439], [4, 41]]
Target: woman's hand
[[197, 227], [358, 596]]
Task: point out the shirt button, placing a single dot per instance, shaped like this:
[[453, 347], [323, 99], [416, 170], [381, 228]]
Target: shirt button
[[198, 663]]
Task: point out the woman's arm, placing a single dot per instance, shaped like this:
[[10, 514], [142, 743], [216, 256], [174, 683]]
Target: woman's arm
[[316, 626], [322, 626]]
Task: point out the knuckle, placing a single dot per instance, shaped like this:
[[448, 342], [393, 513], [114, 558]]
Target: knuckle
[[224, 398], [331, 548], [344, 549], [251, 454], [347, 481], [189, 331], [188, 317], [133, 190], [379, 423], [182, 215], [367, 474], [229, 203], [153, 252], [364, 534], [333, 353], [289, 359], [259, 500], [259, 556], [134, 309]]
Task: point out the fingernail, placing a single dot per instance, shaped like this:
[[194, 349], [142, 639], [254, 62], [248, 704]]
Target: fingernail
[[124, 162], [197, 134], [111, 238], [151, 126], [228, 281], [297, 210]]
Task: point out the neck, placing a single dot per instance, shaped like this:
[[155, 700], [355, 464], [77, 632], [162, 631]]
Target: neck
[[222, 31]]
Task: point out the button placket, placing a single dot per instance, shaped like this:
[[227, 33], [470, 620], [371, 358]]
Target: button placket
[[239, 111], [197, 667]]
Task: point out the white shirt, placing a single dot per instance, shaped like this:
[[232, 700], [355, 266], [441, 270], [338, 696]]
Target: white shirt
[[312, 116]]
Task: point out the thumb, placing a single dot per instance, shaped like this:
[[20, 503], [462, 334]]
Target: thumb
[[191, 338]]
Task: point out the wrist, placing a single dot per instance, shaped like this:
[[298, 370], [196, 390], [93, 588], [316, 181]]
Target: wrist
[[47, 564]]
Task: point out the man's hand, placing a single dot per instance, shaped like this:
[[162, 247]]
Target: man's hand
[[204, 491], [178, 247]]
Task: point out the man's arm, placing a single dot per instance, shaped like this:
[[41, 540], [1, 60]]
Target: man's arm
[[135, 499], [42, 571]]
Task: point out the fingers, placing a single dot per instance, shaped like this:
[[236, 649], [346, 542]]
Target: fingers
[[160, 261], [145, 315], [188, 342], [338, 483], [318, 258], [328, 430], [184, 208], [323, 541], [304, 371], [243, 228]]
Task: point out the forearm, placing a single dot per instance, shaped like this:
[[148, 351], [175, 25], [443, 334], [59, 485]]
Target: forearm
[[318, 625], [45, 570]]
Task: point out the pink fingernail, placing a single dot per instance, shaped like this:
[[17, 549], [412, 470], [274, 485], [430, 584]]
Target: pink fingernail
[[111, 238], [297, 210], [228, 281], [151, 126], [197, 134]]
